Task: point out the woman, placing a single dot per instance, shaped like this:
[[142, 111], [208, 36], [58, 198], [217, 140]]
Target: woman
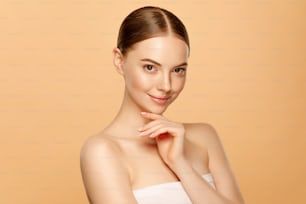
[[141, 156]]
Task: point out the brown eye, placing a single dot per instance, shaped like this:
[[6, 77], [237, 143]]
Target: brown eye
[[149, 67], [180, 70]]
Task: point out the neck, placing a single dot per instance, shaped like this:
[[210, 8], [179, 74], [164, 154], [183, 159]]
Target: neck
[[128, 120], [130, 117]]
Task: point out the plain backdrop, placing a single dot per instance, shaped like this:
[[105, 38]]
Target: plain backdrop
[[58, 86]]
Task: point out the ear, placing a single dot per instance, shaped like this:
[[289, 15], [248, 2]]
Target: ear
[[118, 60]]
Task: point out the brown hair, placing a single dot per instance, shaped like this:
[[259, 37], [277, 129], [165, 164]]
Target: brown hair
[[148, 22]]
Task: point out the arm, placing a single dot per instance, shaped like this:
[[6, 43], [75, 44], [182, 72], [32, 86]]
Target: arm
[[105, 177], [199, 191], [170, 141]]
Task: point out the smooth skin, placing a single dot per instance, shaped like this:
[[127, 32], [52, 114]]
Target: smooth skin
[[141, 147]]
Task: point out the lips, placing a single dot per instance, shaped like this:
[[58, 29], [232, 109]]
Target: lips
[[161, 100]]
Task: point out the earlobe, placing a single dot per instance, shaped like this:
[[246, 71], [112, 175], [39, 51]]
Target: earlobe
[[118, 60]]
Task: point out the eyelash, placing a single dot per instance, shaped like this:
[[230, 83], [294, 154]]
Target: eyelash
[[149, 65], [179, 70]]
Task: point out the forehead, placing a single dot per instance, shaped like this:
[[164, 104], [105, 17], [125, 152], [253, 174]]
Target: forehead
[[166, 50]]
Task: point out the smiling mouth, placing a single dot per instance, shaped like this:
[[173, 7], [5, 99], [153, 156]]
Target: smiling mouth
[[160, 100]]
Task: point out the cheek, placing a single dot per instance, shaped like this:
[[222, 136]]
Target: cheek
[[138, 80], [178, 84]]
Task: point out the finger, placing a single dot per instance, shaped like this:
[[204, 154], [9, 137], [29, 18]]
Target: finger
[[173, 130], [161, 131], [151, 130], [151, 116], [150, 125]]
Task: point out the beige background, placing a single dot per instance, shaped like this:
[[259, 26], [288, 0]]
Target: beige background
[[58, 86]]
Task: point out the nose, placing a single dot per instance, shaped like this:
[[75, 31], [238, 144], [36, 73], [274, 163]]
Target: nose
[[165, 83]]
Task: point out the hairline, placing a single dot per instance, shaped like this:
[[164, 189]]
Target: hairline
[[159, 34]]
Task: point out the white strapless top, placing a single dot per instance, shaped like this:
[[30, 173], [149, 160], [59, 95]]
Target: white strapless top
[[166, 193]]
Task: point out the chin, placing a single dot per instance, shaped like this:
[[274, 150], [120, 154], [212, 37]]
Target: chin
[[157, 110]]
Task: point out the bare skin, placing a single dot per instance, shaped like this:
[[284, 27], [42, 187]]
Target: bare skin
[[141, 147]]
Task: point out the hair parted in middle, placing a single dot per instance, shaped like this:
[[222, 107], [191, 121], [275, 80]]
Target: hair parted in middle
[[148, 22]]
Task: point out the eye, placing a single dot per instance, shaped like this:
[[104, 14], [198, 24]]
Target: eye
[[180, 70], [149, 67]]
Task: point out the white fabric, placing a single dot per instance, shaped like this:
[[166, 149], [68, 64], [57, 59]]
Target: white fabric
[[166, 193]]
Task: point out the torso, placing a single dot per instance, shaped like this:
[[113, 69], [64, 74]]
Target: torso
[[145, 166]]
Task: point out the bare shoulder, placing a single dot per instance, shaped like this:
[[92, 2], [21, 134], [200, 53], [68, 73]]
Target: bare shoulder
[[99, 145], [99, 152], [203, 134], [102, 169], [206, 136]]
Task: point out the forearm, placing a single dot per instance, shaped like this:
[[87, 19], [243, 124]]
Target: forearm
[[198, 190]]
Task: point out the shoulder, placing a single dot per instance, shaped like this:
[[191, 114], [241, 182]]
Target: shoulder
[[99, 145], [100, 150], [203, 134], [102, 168], [204, 128], [207, 137], [100, 153]]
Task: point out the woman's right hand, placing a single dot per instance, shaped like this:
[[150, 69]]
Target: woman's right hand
[[169, 136]]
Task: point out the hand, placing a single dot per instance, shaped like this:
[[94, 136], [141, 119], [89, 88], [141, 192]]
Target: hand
[[169, 137]]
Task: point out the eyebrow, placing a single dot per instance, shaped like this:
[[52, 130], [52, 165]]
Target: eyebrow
[[158, 64]]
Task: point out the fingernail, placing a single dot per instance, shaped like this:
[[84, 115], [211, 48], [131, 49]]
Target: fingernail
[[140, 129], [142, 113]]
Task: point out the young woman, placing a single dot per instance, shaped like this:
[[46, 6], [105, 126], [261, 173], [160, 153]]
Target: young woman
[[141, 156]]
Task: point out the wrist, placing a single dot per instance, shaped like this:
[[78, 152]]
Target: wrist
[[181, 167]]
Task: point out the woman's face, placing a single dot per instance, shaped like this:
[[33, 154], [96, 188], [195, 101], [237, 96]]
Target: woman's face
[[155, 71]]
